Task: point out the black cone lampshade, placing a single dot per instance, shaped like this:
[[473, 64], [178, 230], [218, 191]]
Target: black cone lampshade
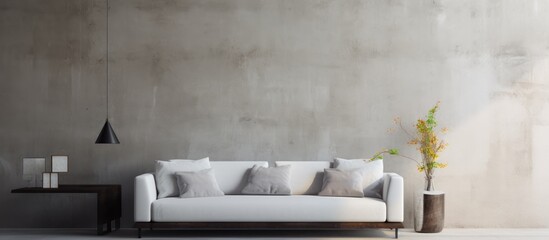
[[107, 135]]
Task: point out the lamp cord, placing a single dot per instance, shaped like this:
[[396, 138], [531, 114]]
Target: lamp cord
[[107, 60]]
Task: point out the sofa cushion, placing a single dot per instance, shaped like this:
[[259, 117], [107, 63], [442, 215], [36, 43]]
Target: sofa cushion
[[233, 175], [342, 183], [268, 181], [372, 174], [198, 184], [249, 208], [185, 160], [305, 176], [166, 183]]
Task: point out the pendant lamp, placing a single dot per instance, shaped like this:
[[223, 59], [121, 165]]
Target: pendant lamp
[[107, 135]]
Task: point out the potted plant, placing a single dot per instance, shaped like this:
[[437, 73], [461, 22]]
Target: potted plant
[[429, 215]]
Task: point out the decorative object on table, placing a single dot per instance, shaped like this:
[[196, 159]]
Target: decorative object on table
[[107, 135], [429, 214], [54, 180], [46, 180], [31, 167], [32, 171], [59, 164]]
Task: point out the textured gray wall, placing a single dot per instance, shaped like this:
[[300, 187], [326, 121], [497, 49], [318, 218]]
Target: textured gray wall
[[277, 80]]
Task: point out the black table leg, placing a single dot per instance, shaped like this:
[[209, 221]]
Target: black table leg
[[101, 211], [117, 223], [99, 229], [117, 202], [109, 204]]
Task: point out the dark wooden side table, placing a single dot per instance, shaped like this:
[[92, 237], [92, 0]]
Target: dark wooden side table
[[109, 201]]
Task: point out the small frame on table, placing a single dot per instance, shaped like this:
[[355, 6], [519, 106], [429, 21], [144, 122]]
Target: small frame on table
[[33, 167], [59, 164], [46, 182]]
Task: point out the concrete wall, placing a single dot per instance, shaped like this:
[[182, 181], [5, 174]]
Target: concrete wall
[[277, 80]]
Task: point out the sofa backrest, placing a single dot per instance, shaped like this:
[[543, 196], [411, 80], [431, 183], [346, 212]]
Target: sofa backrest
[[233, 175], [305, 176]]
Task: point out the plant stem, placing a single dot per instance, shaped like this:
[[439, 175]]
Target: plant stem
[[397, 154]]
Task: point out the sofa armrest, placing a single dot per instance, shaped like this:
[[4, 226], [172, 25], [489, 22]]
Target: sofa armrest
[[145, 195], [393, 195]]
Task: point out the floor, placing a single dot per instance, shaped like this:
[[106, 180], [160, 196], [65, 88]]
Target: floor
[[447, 234]]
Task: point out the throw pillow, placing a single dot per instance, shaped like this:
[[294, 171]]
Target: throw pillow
[[166, 182], [198, 184], [306, 176], [342, 183], [372, 174], [268, 181]]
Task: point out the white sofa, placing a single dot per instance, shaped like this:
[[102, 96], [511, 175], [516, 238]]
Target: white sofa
[[300, 210]]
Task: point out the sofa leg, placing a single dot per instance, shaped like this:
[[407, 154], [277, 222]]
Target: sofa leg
[[396, 233], [138, 232]]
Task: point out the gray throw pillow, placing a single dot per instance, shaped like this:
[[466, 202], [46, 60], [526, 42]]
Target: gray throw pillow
[[166, 183], [372, 174], [198, 184], [342, 183], [268, 181]]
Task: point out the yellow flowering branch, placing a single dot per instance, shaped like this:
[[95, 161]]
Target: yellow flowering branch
[[428, 143]]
